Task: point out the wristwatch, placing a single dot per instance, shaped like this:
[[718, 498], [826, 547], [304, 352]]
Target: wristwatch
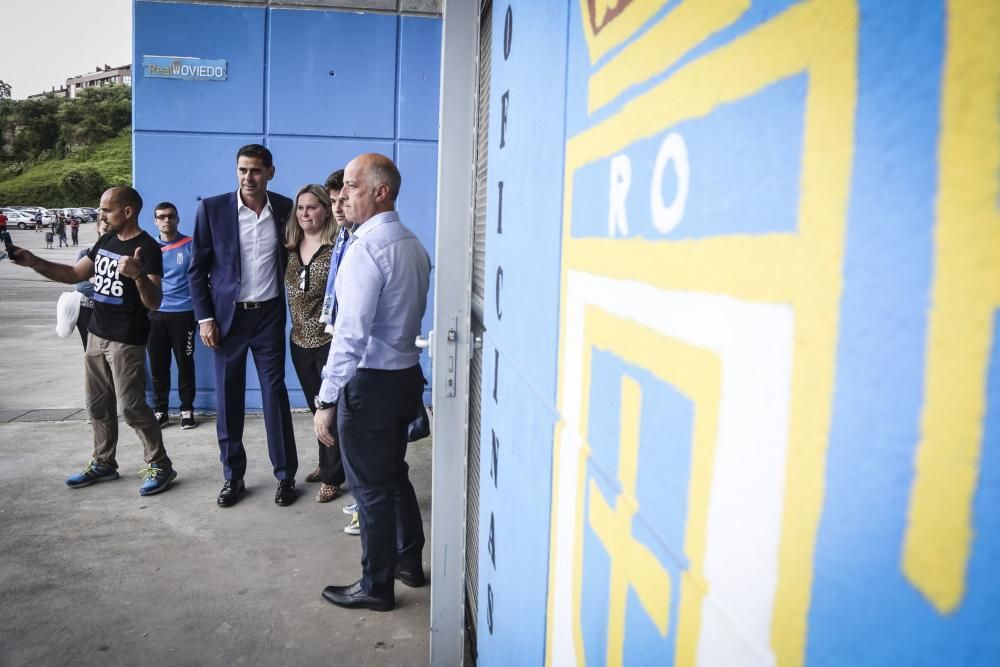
[[323, 405]]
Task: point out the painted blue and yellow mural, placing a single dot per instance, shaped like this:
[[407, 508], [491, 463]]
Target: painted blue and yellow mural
[[764, 427]]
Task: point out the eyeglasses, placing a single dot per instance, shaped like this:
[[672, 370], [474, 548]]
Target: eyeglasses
[[167, 216], [304, 279]]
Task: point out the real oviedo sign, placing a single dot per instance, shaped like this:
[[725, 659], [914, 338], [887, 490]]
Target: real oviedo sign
[[175, 67]]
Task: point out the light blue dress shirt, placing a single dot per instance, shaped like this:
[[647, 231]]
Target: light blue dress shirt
[[381, 290]]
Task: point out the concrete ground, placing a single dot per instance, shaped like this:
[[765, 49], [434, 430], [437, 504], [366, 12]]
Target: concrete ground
[[102, 575]]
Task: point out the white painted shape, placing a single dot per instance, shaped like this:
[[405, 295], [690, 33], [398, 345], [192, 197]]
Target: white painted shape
[[754, 344], [620, 179], [673, 149], [730, 648], [563, 650]]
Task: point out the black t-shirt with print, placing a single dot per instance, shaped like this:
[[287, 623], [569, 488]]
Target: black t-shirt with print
[[119, 313]]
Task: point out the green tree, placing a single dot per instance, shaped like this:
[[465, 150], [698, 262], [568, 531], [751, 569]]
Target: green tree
[[95, 115], [4, 90], [6, 126], [37, 128], [53, 126], [82, 184]]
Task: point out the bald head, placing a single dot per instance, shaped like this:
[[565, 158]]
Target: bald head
[[371, 185], [126, 196], [120, 208], [382, 171]]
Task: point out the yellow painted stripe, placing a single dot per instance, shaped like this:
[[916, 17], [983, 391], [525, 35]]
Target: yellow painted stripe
[[965, 296], [618, 29], [661, 46]]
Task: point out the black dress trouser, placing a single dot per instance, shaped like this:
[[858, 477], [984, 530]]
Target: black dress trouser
[[373, 414], [171, 333], [308, 363], [82, 322]]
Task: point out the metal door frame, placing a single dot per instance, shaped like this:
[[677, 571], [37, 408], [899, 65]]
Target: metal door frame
[[451, 342]]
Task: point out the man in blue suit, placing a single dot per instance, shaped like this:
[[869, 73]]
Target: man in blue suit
[[237, 270]]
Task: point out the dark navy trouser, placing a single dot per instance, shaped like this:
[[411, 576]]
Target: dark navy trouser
[[261, 332], [373, 413]]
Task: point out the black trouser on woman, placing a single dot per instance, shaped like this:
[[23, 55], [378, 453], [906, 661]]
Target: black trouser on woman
[[309, 362], [83, 320], [171, 333], [373, 414]]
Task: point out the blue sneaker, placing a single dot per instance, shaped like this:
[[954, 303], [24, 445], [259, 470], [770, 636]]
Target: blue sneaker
[[92, 474], [155, 479]]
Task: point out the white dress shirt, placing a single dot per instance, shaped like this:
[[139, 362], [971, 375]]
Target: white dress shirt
[[258, 253], [381, 290]]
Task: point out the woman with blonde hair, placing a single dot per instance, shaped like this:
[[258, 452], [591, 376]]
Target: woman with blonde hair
[[309, 238]]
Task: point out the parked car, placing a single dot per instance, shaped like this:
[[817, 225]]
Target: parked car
[[47, 216], [93, 212], [68, 212], [83, 214], [18, 219]]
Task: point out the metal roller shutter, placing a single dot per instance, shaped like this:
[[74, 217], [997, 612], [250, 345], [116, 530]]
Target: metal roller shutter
[[478, 299]]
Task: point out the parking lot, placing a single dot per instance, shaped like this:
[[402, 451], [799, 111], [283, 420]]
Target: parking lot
[[22, 217]]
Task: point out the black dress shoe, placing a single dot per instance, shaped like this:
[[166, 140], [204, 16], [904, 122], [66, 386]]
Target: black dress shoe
[[412, 574], [232, 491], [285, 495], [354, 596]]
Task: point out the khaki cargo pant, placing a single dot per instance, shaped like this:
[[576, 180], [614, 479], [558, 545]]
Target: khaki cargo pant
[[115, 373]]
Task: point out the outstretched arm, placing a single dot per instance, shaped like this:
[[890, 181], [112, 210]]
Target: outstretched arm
[[61, 273]]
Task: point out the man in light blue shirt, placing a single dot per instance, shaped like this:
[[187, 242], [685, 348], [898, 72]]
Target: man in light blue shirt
[[172, 326], [372, 384]]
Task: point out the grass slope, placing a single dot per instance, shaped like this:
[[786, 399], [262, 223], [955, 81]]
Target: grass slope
[[39, 185]]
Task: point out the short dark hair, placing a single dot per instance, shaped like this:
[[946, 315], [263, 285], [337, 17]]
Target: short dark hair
[[128, 196], [164, 205], [256, 151], [335, 181]]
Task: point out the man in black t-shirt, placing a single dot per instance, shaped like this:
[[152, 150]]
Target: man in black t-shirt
[[127, 266]]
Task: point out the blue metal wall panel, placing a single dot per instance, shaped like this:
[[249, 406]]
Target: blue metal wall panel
[[417, 207], [419, 77], [301, 160], [183, 168], [169, 29], [331, 73]]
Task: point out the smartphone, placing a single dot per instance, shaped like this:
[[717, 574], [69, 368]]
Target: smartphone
[[9, 244]]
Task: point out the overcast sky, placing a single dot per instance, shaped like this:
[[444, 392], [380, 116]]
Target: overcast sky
[[44, 42]]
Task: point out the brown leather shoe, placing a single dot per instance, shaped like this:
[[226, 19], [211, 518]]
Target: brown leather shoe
[[315, 476], [327, 492]]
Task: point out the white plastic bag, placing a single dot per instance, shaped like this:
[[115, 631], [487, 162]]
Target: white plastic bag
[[67, 310]]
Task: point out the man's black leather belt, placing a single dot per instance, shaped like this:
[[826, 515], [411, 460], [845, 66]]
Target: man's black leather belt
[[253, 305]]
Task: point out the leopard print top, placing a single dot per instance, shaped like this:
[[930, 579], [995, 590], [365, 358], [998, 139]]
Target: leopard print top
[[306, 288]]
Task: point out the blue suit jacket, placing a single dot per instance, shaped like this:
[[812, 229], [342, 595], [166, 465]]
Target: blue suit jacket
[[214, 274]]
